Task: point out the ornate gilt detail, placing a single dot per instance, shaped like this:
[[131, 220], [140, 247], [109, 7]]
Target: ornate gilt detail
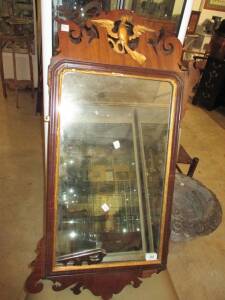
[[123, 36]]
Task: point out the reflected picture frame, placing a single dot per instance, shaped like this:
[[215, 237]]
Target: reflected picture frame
[[218, 5], [193, 22]]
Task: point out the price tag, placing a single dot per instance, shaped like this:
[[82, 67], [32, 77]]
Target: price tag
[[65, 27], [151, 256]]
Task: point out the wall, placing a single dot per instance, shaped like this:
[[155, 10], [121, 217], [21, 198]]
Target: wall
[[178, 7], [197, 5], [207, 14]]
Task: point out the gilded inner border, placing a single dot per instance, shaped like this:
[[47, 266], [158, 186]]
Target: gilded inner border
[[165, 192]]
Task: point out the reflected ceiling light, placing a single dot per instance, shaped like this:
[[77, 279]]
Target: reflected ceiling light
[[71, 190], [116, 144], [73, 234], [68, 112], [124, 230], [71, 222], [105, 207]]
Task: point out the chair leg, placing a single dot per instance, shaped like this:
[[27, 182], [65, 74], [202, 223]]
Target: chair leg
[[29, 49], [193, 166], [2, 73]]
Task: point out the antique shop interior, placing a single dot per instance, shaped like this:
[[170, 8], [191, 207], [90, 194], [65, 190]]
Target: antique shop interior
[[112, 117]]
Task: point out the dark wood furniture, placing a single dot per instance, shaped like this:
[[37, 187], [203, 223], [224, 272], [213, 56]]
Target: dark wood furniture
[[118, 46], [15, 82], [185, 158], [193, 22], [210, 92]]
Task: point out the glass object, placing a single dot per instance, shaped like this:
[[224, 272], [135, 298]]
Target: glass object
[[112, 158], [81, 10]]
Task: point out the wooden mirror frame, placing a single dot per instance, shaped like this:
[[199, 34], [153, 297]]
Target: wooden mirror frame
[[162, 59]]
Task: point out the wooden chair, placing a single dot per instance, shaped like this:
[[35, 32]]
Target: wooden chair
[[185, 158]]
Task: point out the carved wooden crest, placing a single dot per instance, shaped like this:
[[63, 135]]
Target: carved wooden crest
[[120, 38], [123, 36]]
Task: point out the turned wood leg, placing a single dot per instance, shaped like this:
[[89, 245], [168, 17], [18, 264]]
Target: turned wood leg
[[2, 73], [193, 166]]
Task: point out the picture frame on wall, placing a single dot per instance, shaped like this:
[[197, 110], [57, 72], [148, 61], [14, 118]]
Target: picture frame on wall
[[218, 5], [193, 22]]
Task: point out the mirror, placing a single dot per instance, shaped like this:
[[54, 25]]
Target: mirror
[[113, 155]]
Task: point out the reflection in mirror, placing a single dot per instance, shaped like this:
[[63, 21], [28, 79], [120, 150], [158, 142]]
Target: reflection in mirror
[[112, 167]]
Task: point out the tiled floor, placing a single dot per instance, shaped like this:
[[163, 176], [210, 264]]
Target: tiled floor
[[197, 267]]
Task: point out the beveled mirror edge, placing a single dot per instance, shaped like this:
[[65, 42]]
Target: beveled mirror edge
[[58, 70]]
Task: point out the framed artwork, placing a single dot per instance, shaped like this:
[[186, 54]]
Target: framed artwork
[[193, 22], [215, 5]]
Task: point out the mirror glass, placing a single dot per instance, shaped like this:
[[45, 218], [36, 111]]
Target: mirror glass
[[112, 157]]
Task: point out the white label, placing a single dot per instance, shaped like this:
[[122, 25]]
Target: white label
[[65, 27], [105, 207], [151, 256]]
